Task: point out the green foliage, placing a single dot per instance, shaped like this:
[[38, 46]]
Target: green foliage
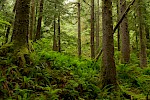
[[50, 75], [4, 22]]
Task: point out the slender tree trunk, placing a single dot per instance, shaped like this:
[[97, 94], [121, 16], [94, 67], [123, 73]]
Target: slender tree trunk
[[59, 43], [79, 31], [21, 30], [92, 30], [97, 28], [32, 19], [143, 56], [147, 36], [38, 31], [118, 33], [7, 34], [108, 73], [125, 42], [54, 36], [136, 35]]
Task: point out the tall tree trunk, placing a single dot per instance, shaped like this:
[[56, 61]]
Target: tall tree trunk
[[136, 35], [38, 31], [79, 31], [92, 30], [21, 30], [59, 43], [118, 33], [108, 73], [32, 19], [54, 36], [125, 42], [147, 36], [97, 28], [143, 56]]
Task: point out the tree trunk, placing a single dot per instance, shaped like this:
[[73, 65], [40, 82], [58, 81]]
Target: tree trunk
[[15, 7], [79, 31], [97, 28], [136, 35], [38, 31], [143, 56], [118, 33], [92, 30], [7, 34], [147, 36], [59, 43], [32, 19], [21, 30], [54, 36], [125, 42], [108, 73]]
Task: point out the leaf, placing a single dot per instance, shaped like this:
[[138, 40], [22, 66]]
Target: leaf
[[5, 22]]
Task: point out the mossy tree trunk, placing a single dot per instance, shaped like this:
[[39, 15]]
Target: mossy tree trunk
[[108, 73], [21, 30]]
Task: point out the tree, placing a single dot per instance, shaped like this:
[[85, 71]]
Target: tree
[[118, 33], [108, 73], [143, 56], [92, 30], [97, 27], [54, 36], [38, 31], [125, 42], [32, 19], [21, 30], [79, 31], [59, 43]]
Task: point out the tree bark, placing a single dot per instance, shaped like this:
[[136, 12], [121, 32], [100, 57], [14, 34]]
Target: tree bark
[[79, 31], [118, 33], [32, 19], [92, 31], [125, 42], [54, 36], [59, 43], [15, 7], [38, 31], [97, 28], [123, 16], [108, 73], [143, 56], [21, 30]]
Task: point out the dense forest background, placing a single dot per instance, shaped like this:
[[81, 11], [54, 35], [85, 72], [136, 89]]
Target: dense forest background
[[74, 49]]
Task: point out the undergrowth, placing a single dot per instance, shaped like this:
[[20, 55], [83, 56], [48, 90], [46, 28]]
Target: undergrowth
[[59, 76]]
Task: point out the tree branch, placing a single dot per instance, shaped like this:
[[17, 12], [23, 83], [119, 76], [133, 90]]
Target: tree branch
[[123, 16], [119, 22]]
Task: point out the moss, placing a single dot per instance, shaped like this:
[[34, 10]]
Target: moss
[[6, 48], [21, 56]]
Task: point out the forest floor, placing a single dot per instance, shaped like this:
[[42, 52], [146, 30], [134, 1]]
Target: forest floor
[[60, 76]]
